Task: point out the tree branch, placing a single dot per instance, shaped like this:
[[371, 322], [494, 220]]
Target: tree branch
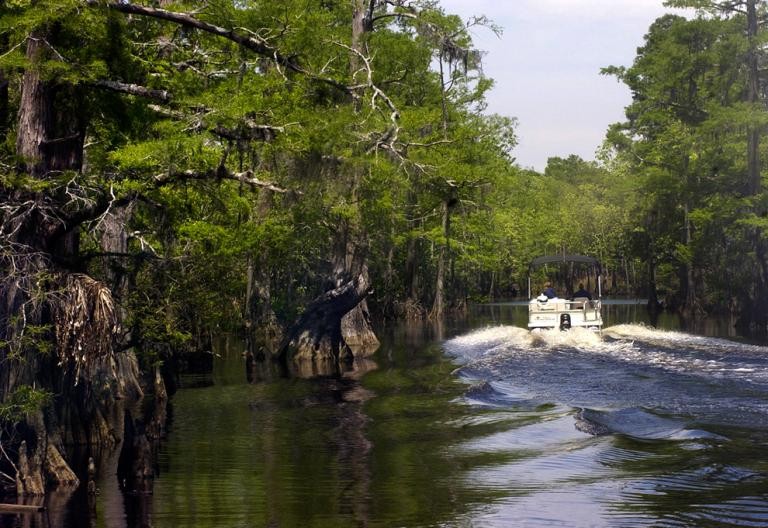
[[221, 173], [102, 205], [250, 131], [134, 89], [393, 15], [430, 144], [251, 41]]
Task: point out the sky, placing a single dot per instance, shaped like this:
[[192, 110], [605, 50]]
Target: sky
[[547, 63]]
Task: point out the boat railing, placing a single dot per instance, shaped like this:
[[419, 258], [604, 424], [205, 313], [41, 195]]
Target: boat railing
[[585, 305], [556, 303]]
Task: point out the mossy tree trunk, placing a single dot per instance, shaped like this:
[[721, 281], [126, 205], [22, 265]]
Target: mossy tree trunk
[[61, 325]]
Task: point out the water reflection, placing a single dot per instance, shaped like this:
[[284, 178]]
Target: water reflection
[[681, 420], [487, 437], [366, 447]]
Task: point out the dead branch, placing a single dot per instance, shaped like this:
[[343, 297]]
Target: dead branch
[[134, 89], [221, 173], [388, 138], [430, 144], [250, 131]]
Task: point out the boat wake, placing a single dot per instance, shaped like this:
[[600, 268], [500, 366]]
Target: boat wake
[[639, 372], [639, 424]]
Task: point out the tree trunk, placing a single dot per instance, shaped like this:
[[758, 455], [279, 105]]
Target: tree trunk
[[389, 278], [348, 264], [359, 29], [114, 243], [690, 301], [260, 315], [317, 334], [413, 307], [350, 244], [35, 114], [753, 96], [653, 297], [438, 306], [361, 26], [492, 288], [43, 290]]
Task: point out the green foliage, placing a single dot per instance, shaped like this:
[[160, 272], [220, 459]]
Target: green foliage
[[21, 402], [431, 186], [30, 337], [685, 145]]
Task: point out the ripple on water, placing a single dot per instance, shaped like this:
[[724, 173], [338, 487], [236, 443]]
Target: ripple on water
[[658, 397], [706, 380]]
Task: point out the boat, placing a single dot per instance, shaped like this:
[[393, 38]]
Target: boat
[[547, 312]]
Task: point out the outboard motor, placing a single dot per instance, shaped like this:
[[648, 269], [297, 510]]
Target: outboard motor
[[565, 321]]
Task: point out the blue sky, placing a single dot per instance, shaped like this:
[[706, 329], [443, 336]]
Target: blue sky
[[547, 67]]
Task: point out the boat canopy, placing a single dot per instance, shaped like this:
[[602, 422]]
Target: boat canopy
[[551, 259], [560, 259]]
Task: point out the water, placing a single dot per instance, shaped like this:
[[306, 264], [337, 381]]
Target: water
[[478, 424], [638, 427]]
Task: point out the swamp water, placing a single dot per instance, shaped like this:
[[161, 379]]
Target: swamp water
[[480, 424]]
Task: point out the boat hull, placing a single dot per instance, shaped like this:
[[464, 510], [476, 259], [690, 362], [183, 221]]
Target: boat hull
[[564, 314]]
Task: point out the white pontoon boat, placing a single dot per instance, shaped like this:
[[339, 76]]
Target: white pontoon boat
[[547, 313]]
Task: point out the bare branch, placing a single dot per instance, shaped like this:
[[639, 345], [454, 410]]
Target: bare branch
[[8, 459], [390, 136], [134, 89], [167, 112], [221, 173], [393, 15], [249, 131], [430, 144]]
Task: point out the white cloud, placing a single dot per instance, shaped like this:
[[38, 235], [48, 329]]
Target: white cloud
[[526, 9], [547, 64], [594, 8]]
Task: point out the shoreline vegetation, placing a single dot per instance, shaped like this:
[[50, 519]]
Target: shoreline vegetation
[[292, 172]]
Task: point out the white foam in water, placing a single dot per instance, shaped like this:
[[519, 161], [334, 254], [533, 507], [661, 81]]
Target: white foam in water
[[486, 341], [720, 367], [575, 337], [652, 335], [630, 343]]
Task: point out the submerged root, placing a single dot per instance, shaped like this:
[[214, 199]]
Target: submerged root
[[411, 310]]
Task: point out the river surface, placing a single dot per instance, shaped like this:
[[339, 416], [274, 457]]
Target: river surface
[[476, 424]]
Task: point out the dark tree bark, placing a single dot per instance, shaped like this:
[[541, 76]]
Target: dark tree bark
[[653, 296], [43, 288], [3, 104], [753, 96], [317, 335], [413, 308], [349, 264], [690, 302], [439, 305]]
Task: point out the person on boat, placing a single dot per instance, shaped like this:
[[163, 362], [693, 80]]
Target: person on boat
[[582, 292], [549, 291]]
